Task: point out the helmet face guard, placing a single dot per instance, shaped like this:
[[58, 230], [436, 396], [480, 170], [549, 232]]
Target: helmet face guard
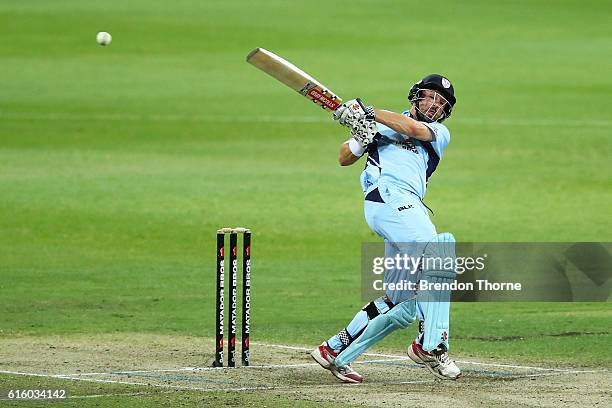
[[431, 106], [433, 98]]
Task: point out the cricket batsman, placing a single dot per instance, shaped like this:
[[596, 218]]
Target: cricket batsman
[[403, 150]]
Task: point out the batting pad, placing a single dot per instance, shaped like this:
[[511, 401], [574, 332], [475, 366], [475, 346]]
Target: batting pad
[[399, 317], [438, 268]]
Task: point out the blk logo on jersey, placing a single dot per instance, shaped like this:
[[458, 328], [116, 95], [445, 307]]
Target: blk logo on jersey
[[405, 207]]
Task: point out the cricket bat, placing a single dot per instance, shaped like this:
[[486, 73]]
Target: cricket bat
[[294, 78]]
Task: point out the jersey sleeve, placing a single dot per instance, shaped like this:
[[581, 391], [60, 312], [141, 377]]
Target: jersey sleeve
[[388, 133], [441, 137]]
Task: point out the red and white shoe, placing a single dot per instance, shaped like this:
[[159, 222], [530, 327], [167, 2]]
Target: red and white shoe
[[324, 355], [415, 351], [438, 362], [347, 374]]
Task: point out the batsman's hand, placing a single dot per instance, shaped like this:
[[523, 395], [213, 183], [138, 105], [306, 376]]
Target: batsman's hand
[[365, 132], [350, 112], [342, 108]]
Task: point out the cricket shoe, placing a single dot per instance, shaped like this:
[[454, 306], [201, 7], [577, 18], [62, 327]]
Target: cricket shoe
[[324, 355], [415, 351], [347, 374], [438, 362]]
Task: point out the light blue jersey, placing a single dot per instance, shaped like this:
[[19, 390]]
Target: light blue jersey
[[399, 164], [394, 182]]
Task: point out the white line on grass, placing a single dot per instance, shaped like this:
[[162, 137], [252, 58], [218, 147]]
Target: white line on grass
[[398, 357], [67, 377], [98, 380], [238, 389], [561, 370], [199, 369], [182, 387], [556, 373], [125, 394], [386, 358]]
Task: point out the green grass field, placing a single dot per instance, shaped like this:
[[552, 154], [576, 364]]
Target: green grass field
[[117, 165]]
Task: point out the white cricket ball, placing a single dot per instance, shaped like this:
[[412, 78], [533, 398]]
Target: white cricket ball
[[104, 38]]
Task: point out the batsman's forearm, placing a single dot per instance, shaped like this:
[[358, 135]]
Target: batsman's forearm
[[346, 157], [403, 124]]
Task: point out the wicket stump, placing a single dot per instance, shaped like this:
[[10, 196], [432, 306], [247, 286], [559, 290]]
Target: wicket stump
[[246, 295]]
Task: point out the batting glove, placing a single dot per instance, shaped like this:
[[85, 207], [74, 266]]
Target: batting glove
[[350, 112], [364, 131]]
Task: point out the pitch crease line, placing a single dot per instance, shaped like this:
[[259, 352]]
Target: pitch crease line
[[180, 387], [200, 369], [398, 357]]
